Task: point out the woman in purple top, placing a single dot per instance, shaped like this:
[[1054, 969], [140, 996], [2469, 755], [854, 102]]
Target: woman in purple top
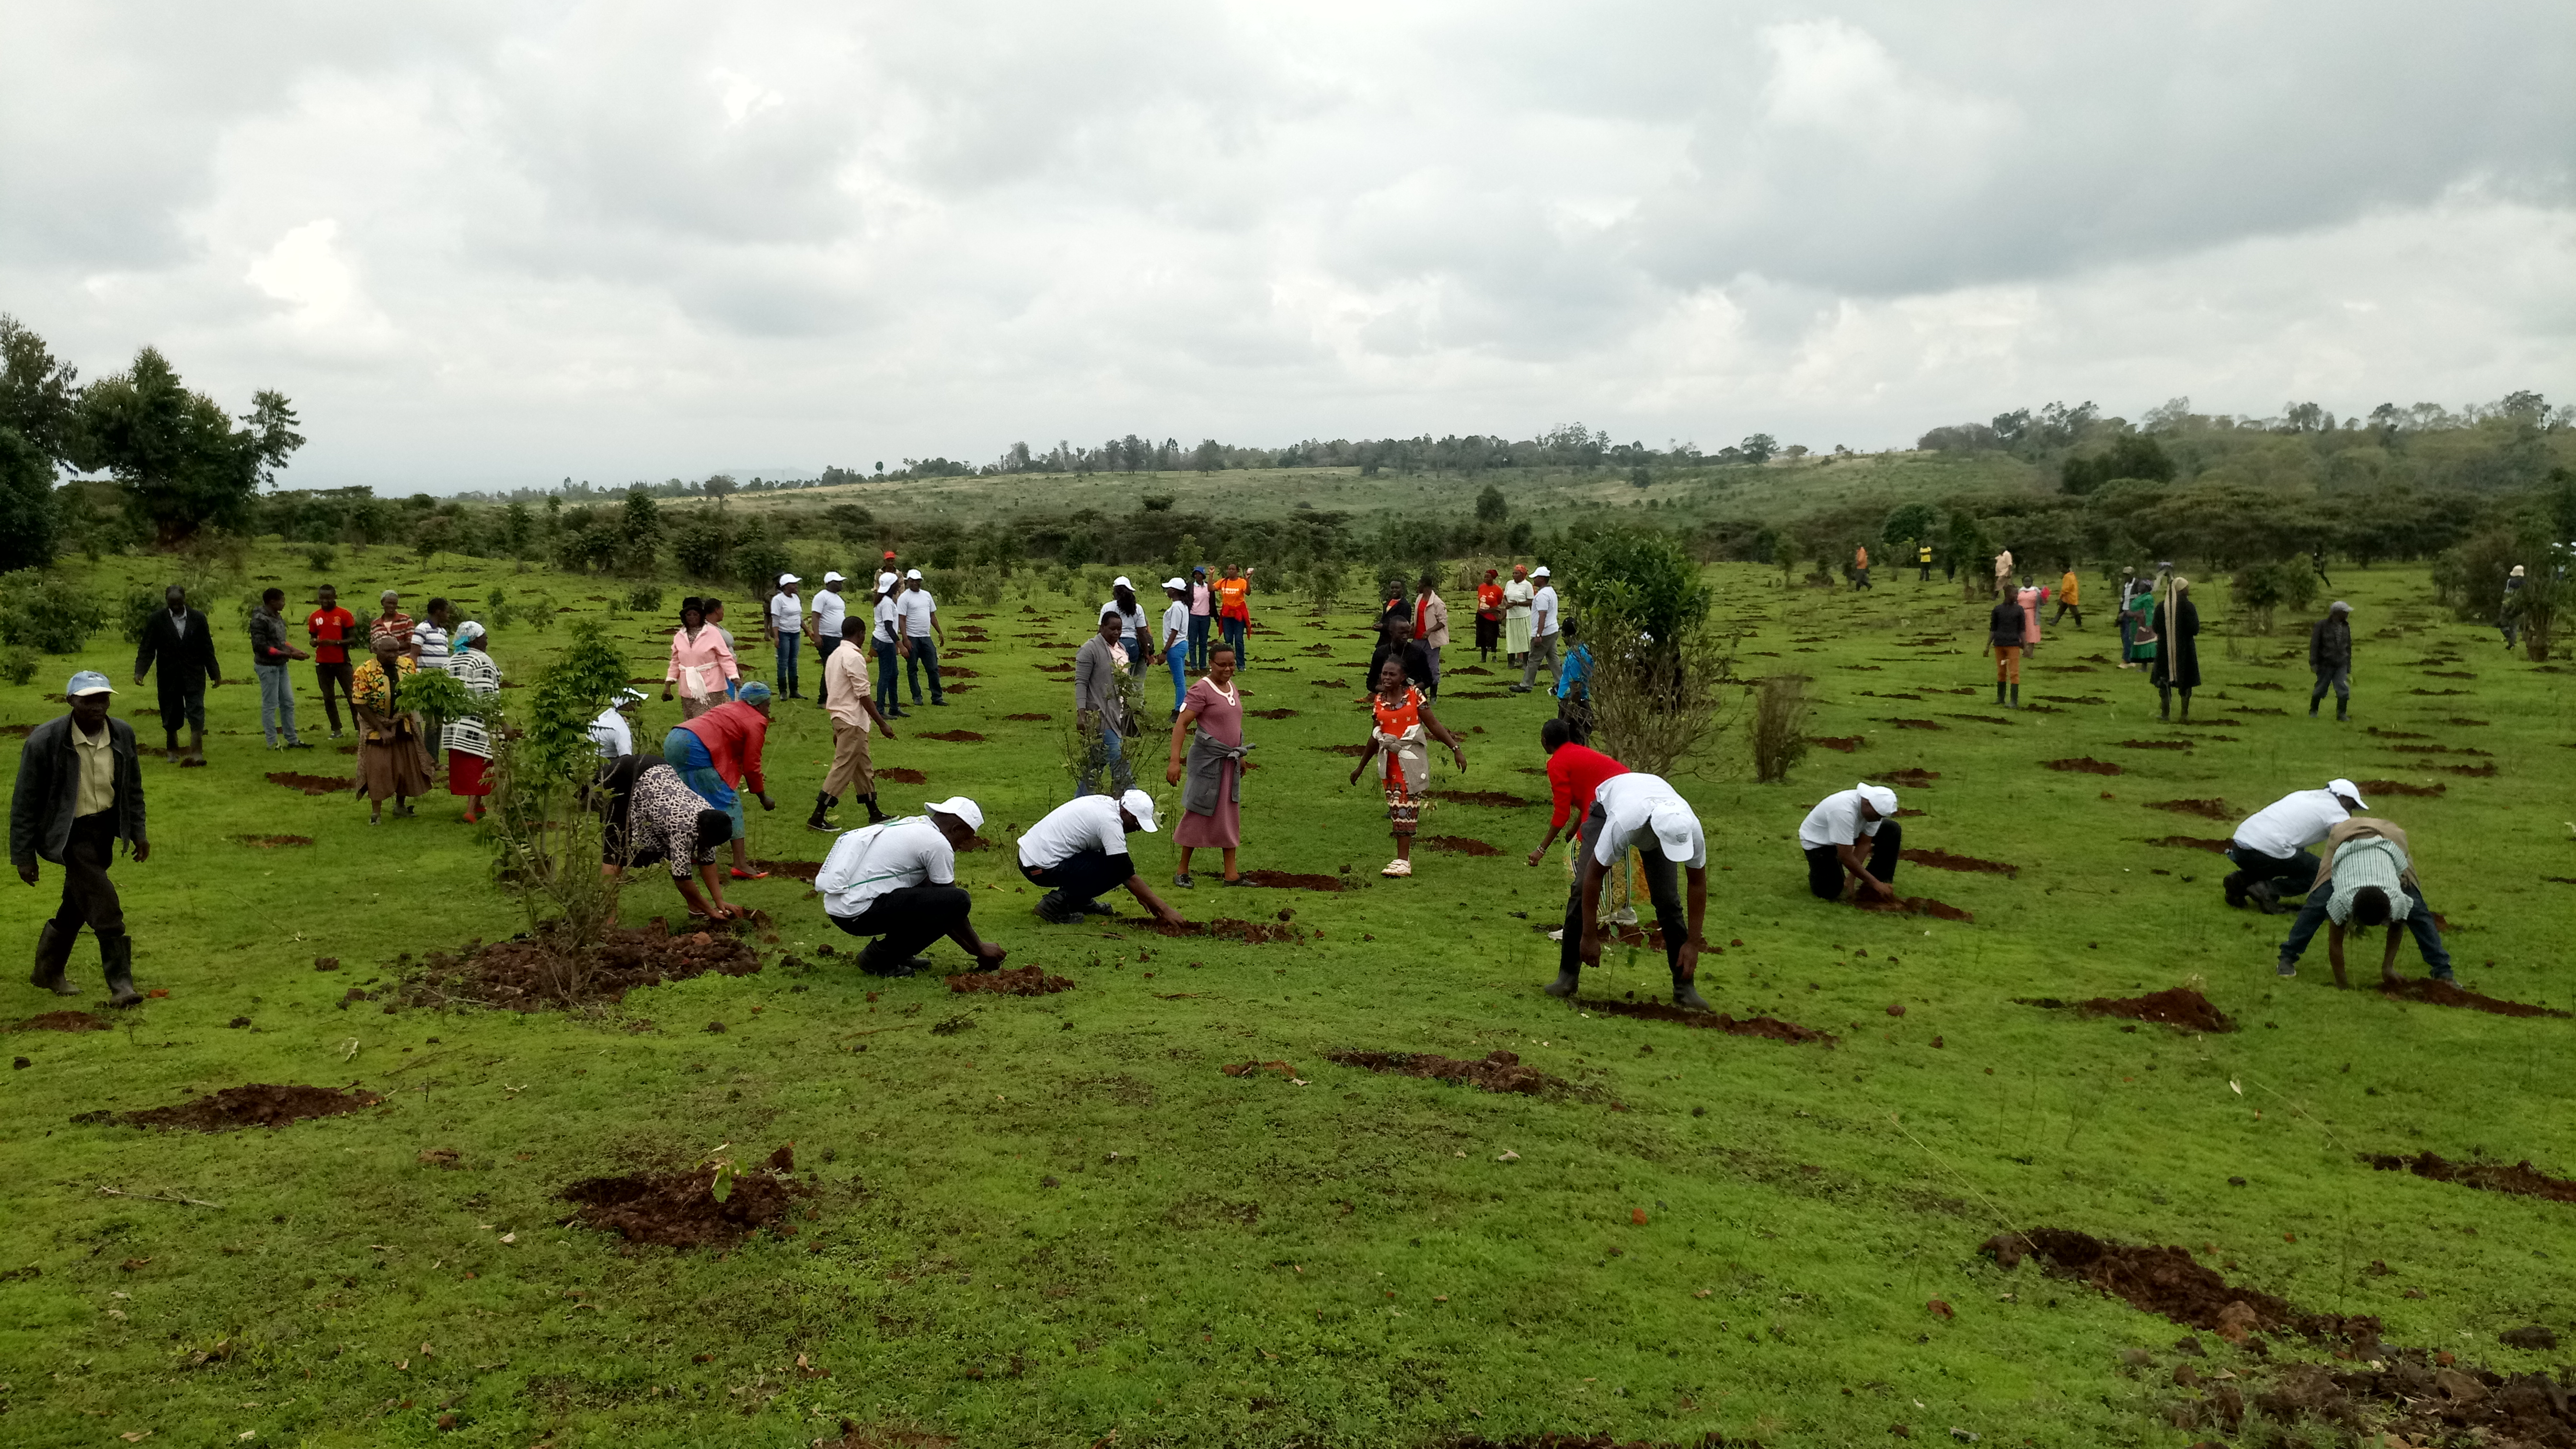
[[1211, 805]]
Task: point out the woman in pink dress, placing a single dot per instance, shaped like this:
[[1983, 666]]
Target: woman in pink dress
[[1211, 806], [2030, 600]]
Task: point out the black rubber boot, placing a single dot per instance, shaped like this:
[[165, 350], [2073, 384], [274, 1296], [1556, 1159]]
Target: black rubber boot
[[2016, 697], [2186, 706], [1567, 978], [2234, 885], [822, 802], [2343, 710], [116, 953], [53, 954], [1999, 693], [1686, 994], [2164, 705], [875, 816]]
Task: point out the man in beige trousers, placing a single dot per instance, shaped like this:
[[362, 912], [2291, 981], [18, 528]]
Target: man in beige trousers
[[853, 711]]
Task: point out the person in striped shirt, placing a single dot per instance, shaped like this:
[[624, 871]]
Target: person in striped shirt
[[2368, 879]]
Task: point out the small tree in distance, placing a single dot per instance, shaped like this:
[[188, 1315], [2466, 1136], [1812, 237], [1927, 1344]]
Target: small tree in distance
[[176, 457]]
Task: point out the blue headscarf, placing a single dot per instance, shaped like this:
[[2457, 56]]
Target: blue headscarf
[[754, 693]]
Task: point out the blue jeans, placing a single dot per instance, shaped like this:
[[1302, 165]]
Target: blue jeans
[[1233, 629], [2419, 924], [276, 701], [886, 668], [790, 647], [687, 756], [1112, 752], [925, 655], [1198, 641], [1178, 658]]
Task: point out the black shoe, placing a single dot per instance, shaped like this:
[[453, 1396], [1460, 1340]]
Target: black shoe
[[116, 953], [1567, 978], [822, 802], [2234, 885], [1098, 907], [2266, 896], [53, 954], [1053, 910], [939, 704], [875, 963], [1686, 995], [875, 816]]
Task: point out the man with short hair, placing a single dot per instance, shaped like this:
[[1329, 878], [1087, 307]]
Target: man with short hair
[[1079, 850], [269, 653], [79, 791], [177, 637], [896, 880], [1644, 813], [783, 626], [1834, 833], [1574, 772], [1400, 644], [2369, 876], [330, 628], [2270, 849], [825, 623], [1100, 703], [845, 698], [920, 615], [2330, 659], [1544, 627], [1922, 562]]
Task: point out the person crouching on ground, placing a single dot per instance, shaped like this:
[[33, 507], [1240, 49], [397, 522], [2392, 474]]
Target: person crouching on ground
[[79, 791], [720, 749], [2367, 858], [2330, 659], [1646, 814], [2270, 849], [1400, 723], [1079, 850], [1838, 829], [897, 881], [654, 817], [2003, 637]]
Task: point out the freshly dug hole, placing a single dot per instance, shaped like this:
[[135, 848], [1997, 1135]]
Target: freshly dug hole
[[2084, 764], [2521, 1178], [256, 1105], [2171, 1282], [524, 974], [679, 1209], [1226, 928], [2179, 1007], [2443, 993], [1498, 1072], [2206, 809], [1944, 860], [1914, 906], [311, 784], [1766, 1026], [1460, 845], [1292, 881], [2189, 842]]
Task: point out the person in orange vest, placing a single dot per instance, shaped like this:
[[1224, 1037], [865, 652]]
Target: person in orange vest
[[1860, 568]]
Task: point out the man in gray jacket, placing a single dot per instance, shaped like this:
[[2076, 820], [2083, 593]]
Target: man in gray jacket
[[2330, 659], [79, 791], [1100, 704]]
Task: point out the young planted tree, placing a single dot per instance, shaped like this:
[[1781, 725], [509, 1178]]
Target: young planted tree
[[1663, 673], [542, 771]]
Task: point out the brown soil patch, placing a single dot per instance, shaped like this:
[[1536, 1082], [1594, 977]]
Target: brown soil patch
[[2179, 1007], [62, 1021], [1053, 668], [2398, 787], [2442, 993], [2479, 772], [1023, 981], [254, 1106], [1292, 881], [1944, 860], [2155, 744], [1917, 724], [311, 784], [902, 776], [2171, 1282], [1847, 744], [2394, 734], [1916, 906], [2521, 1178], [1038, 718], [1909, 779], [525, 974], [2205, 809], [679, 1209], [1328, 684], [949, 671], [1769, 1026], [1346, 751], [2467, 723], [1494, 798], [954, 737], [1460, 845], [273, 842], [1272, 713], [17, 729], [2085, 764], [2412, 1397], [2189, 842], [804, 870], [1498, 1072], [1225, 928]]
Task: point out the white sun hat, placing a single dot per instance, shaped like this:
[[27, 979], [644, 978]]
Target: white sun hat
[[963, 808], [1140, 805]]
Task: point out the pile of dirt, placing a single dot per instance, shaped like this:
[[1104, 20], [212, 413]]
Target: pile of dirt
[[1328, 684], [2155, 744], [1770, 1026], [256, 1105], [953, 737], [1847, 744], [2085, 764], [1282, 713], [527, 974], [679, 1209], [2398, 787], [2179, 1007], [1498, 1072], [2444, 993], [2411, 1397], [311, 784], [804, 870], [1225, 928], [1944, 860], [2521, 1178], [2479, 772], [1917, 724], [1493, 798], [2189, 842], [902, 776], [1052, 668], [1289, 880], [2205, 809], [1039, 718], [2170, 1281], [1909, 779], [1460, 845], [62, 1021], [1022, 981], [1914, 906]]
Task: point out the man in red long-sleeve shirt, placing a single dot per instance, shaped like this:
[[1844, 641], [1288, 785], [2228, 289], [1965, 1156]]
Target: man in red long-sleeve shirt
[[720, 749], [1574, 772]]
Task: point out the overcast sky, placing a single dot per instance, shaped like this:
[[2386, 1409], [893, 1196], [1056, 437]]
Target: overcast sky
[[497, 244]]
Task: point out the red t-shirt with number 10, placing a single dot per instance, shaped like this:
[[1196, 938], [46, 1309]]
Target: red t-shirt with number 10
[[330, 629]]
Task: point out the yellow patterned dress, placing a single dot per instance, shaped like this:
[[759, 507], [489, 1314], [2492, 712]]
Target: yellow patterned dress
[[390, 761]]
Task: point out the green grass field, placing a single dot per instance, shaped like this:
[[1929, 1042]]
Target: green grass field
[[1064, 1224]]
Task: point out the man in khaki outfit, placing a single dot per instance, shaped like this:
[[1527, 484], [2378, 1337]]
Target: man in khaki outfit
[[853, 710]]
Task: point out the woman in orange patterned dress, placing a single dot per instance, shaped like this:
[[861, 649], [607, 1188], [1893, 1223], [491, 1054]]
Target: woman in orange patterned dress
[[1400, 723]]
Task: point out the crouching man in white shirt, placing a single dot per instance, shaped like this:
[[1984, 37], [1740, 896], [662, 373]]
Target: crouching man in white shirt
[[1646, 814], [898, 883], [1079, 852]]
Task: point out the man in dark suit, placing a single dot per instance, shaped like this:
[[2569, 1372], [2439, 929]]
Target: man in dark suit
[[1397, 627], [79, 791], [185, 647]]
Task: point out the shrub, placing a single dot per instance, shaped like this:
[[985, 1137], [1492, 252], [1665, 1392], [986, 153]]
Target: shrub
[[17, 664], [1779, 727], [645, 598], [2260, 589], [40, 611], [321, 558]]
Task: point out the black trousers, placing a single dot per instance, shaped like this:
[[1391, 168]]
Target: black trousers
[[1084, 876], [180, 701], [824, 644], [2296, 871], [89, 897], [905, 920], [1663, 887], [1825, 863], [329, 676]]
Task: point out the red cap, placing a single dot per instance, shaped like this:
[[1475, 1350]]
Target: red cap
[[889, 553]]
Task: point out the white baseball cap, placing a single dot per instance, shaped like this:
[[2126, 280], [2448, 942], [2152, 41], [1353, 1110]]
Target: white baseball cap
[[1140, 805], [1120, 582], [2348, 790], [625, 697], [1880, 798], [789, 579], [1676, 830], [1174, 584], [963, 808], [1540, 572], [912, 573], [831, 576]]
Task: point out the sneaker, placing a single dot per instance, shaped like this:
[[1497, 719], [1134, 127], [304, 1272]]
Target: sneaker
[[1557, 935], [1051, 908], [1182, 880], [2285, 969], [1397, 868], [299, 744], [1624, 916]]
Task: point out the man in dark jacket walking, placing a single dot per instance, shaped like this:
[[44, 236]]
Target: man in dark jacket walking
[[2004, 637], [178, 638], [79, 791], [2330, 659]]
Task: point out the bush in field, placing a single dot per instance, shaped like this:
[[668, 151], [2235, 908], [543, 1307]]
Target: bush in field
[[18, 664], [2261, 589], [40, 611], [645, 598], [549, 841], [1779, 727]]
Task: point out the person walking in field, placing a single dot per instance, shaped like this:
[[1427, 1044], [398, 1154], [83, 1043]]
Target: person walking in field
[[2031, 599], [1922, 563], [1078, 851], [1838, 830], [702, 665], [330, 629], [783, 629], [2003, 573], [1644, 813], [2127, 616], [2363, 857], [896, 880], [178, 639], [846, 700], [1175, 647], [885, 636], [1489, 618], [269, 655], [1212, 804], [1516, 614], [1397, 642], [2176, 626], [1545, 625], [720, 750], [2270, 848], [1100, 707], [2004, 641], [1202, 616], [79, 791], [392, 765], [2509, 615], [2330, 660], [1401, 722], [2070, 597], [1234, 612], [1860, 568], [923, 637], [824, 623], [1431, 623], [469, 741]]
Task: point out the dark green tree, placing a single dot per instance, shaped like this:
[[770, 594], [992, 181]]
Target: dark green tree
[[178, 459], [1759, 448], [37, 402], [1490, 505], [639, 532], [2135, 455]]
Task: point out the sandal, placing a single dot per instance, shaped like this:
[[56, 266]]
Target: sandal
[[740, 874]]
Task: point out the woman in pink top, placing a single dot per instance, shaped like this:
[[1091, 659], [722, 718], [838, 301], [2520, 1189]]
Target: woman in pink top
[[2030, 599], [702, 663]]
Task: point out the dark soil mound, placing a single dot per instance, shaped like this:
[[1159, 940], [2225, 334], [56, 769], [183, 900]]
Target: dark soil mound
[[2085, 764], [1040, 718], [903, 777], [679, 1209], [1023, 981], [2466, 723], [273, 842], [527, 974], [61, 1021], [1292, 881], [1252, 932], [2394, 734], [1328, 684], [1498, 1072], [1460, 845], [2189, 842], [2414, 1398], [1917, 724], [1915, 906], [2521, 1178], [2171, 1282], [2473, 771], [2205, 809], [2155, 744], [1053, 668], [1275, 713], [2442, 993], [254, 1106], [1944, 860], [1910, 779], [311, 784], [2398, 787], [1770, 1026], [1348, 751], [804, 870], [1845, 743], [2179, 1007], [1495, 798], [954, 737]]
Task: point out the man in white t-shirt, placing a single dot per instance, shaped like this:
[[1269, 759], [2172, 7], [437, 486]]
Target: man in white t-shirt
[[2270, 850], [1080, 850], [614, 731], [1835, 833], [898, 882], [1545, 625], [1175, 648], [1646, 814], [785, 630], [823, 624], [886, 639], [919, 614]]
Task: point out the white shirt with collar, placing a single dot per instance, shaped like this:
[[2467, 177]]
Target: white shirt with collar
[[2292, 823], [1087, 822], [1629, 804], [1836, 821], [869, 862], [829, 611]]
